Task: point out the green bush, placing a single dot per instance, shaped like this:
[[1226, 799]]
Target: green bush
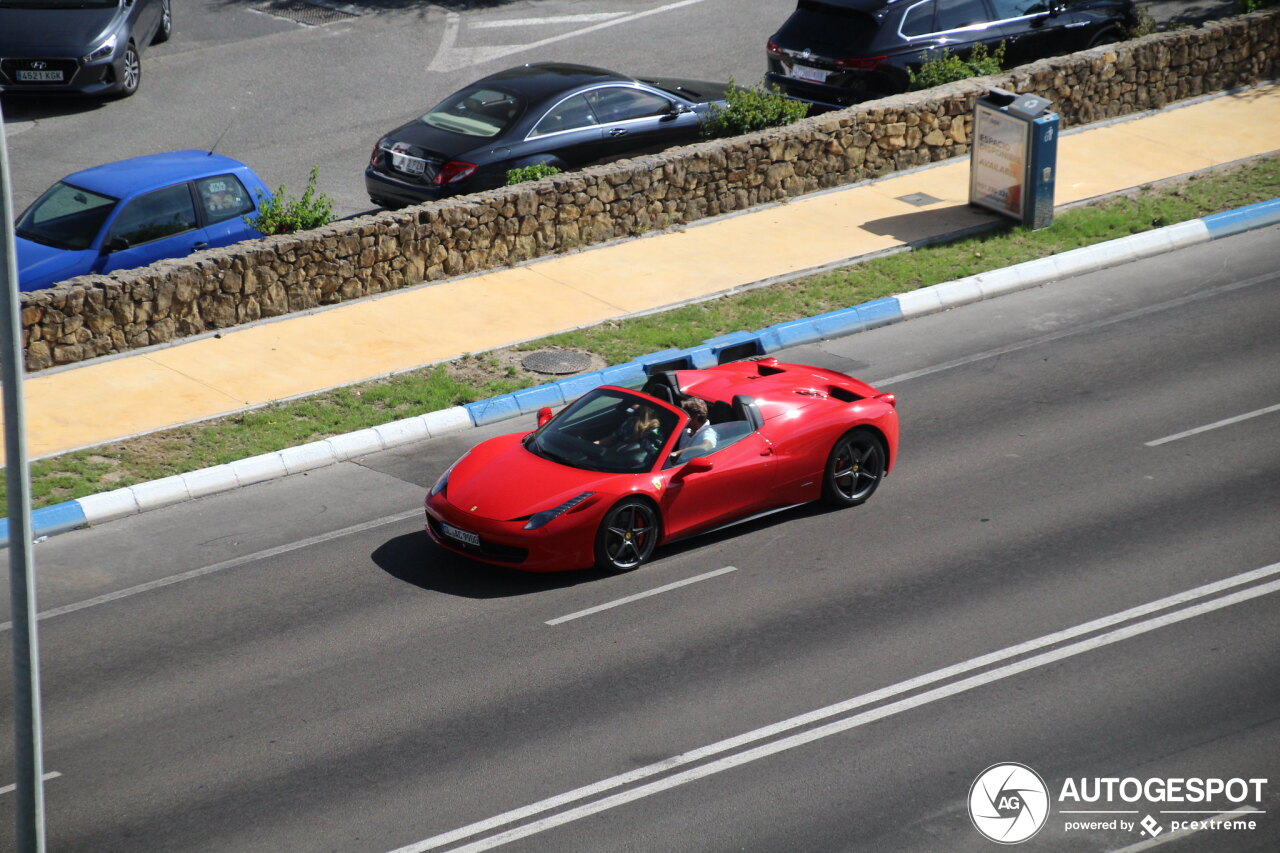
[[280, 213], [1256, 5], [752, 109], [942, 66], [1145, 24], [530, 173]]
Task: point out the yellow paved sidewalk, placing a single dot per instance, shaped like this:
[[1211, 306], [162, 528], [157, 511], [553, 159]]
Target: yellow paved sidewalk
[[123, 396]]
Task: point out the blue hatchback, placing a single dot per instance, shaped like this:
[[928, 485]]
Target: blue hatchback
[[134, 212]]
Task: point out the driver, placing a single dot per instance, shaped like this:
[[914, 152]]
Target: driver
[[699, 436], [640, 427]]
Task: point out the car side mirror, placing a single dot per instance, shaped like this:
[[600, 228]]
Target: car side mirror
[[698, 464], [116, 244], [544, 415]]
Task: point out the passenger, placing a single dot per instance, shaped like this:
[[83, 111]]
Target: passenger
[[699, 438]]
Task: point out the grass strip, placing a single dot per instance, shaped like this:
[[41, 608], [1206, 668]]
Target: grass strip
[[477, 377]]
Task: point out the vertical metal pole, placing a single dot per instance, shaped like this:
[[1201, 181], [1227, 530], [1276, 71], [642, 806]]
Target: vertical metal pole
[[26, 656]]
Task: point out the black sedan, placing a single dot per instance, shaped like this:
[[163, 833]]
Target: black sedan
[[565, 116], [85, 47], [834, 53]]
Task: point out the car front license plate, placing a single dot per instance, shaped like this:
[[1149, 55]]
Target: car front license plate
[[40, 76], [465, 536], [804, 72], [408, 165]]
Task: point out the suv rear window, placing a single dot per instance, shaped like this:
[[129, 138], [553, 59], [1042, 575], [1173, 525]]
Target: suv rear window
[[814, 22]]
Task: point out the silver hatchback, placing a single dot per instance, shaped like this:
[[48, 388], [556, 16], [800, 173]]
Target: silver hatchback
[[87, 47]]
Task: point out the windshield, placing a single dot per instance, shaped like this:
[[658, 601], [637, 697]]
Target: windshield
[[606, 430], [476, 111], [66, 217]]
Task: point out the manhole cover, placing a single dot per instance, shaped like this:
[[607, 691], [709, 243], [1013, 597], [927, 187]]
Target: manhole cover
[[557, 361], [312, 13], [919, 199]]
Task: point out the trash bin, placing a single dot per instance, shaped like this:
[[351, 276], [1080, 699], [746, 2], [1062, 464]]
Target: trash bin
[[1014, 157]]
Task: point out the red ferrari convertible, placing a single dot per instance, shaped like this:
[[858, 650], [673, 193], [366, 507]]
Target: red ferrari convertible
[[618, 472]]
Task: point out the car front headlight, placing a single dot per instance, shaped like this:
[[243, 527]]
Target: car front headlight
[[102, 51], [443, 482], [541, 519]]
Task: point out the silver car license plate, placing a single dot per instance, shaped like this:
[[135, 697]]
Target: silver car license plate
[[804, 72], [465, 536], [408, 165]]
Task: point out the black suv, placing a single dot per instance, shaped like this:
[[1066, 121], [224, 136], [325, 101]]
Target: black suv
[[838, 52]]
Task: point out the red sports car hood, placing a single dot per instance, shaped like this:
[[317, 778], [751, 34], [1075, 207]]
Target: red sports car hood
[[500, 479]]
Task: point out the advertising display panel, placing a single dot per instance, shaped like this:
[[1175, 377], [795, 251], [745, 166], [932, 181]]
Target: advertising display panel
[[1013, 157]]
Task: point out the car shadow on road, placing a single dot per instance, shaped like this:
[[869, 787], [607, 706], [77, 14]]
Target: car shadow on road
[[22, 108], [415, 559]]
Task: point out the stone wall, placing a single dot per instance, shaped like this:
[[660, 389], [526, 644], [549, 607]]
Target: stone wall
[[97, 315]]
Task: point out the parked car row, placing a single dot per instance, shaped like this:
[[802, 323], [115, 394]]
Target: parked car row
[[829, 53]]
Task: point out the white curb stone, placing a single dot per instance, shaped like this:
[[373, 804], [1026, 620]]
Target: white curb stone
[[108, 506], [209, 481], [359, 443], [259, 469], [304, 457]]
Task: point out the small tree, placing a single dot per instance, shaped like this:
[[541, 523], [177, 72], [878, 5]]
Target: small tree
[[280, 213], [530, 173], [942, 66], [747, 110]]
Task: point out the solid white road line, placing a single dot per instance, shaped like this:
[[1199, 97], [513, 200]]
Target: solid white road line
[[218, 567], [1178, 835], [639, 595], [9, 789], [588, 18], [1144, 610], [1225, 422]]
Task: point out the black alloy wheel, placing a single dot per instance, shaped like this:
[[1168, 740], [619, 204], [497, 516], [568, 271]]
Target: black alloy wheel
[[854, 469], [166, 23], [627, 536]]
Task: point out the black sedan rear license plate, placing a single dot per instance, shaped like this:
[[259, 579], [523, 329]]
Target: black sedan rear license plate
[[464, 536]]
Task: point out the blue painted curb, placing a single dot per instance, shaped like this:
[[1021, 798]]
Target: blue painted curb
[[531, 399], [70, 515], [492, 410], [575, 386], [1242, 219], [49, 521]]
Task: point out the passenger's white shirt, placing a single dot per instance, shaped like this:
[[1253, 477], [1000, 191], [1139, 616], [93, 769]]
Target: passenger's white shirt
[[705, 435]]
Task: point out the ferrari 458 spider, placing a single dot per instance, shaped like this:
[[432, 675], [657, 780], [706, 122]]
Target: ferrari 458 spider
[[619, 472]]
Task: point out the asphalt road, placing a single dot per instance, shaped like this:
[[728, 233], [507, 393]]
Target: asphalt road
[[295, 667], [286, 91]]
